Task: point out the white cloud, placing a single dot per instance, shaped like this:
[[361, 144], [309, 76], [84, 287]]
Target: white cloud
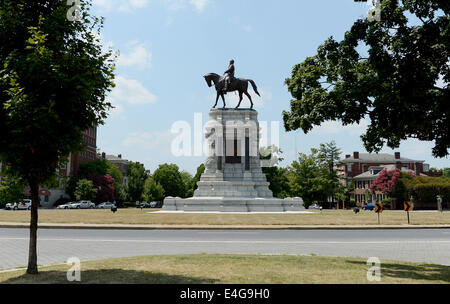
[[128, 91], [121, 5], [199, 4], [335, 127], [147, 142], [175, 5], [138, 55]]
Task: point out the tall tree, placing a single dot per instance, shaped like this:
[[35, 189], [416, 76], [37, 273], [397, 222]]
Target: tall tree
[[170, 178], [153, 191], [54, 77], [136, 181], [188, 182], [400, 79], [330, 153], [85, 190], [309, 178]]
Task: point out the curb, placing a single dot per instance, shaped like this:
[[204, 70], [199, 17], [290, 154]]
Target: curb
[[216, 227]]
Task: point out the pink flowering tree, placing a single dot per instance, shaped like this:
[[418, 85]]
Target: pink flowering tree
[[390, 183], [105, 187]]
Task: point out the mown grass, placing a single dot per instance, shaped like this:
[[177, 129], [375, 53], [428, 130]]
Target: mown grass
[[235, 269], [137, 216]]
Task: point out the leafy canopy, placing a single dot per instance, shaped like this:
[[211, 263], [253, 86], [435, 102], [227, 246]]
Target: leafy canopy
[[54, 77], [394, 71]]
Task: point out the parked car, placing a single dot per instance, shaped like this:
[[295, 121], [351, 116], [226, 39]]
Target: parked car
[[144, 205], [62, 201], [65, 206], [314, 206], [24, 204], [369, 206], [105, 205], [82, 205], [156, 205]]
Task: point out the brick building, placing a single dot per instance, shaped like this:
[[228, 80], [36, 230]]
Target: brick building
[[358, 163], [50, 196], [363, 181], [121, 163]]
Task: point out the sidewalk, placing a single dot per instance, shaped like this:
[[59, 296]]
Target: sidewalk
[[220, 227]]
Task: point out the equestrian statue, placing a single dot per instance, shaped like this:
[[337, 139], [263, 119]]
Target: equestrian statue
[[228, 83]]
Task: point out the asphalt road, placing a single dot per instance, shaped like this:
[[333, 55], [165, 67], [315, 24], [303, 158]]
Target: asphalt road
[[56, 246]]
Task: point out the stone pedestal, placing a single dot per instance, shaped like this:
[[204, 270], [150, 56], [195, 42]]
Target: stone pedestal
[[233, 180]]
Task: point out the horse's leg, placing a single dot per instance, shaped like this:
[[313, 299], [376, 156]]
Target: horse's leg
[[217, 100], [240, 99], [224, 104], [249, 97]]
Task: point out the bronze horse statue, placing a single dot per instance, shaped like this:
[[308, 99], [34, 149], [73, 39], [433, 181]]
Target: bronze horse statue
[[238, 84]]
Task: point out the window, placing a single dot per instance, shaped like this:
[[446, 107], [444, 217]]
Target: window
[[349, 167]]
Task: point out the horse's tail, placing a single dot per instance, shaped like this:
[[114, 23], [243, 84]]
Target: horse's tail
[[254, 87]]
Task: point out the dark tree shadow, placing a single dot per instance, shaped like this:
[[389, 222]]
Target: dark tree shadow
[[429, 272], [108, 276]]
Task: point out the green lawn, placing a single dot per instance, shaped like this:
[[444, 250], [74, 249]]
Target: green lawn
[[236, 269], [146, 216]]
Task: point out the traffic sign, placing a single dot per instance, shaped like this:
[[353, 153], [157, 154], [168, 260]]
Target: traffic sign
[[407, 206], [378, 208]]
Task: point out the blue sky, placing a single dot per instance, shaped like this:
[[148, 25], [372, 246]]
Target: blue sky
[[166, 46]]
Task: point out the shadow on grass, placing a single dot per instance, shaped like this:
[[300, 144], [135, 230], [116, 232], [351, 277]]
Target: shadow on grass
[[423, 272], [107, 276]]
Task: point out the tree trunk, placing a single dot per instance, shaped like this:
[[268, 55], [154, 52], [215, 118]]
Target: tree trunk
[[32, 251]]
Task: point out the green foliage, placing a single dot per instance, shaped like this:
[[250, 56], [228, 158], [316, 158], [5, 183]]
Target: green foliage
[[136, 181], [200, 170], [387, 200], [85, 190], [310, 179], [189, 185], [330, 154], [278, 179], [352, 203], [71, 186], [102, 167], [11, 189], [54, 78], [276, 176], [446, 172], [120, 194], [426, 189], [153, 192], [99, 167], [395, 84], [170, 178]]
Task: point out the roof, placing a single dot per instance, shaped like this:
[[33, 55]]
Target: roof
[[115, 158], [368, 174], [378, 158]]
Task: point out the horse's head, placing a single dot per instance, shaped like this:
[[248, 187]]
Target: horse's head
[[208, 80], [211, 78]]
